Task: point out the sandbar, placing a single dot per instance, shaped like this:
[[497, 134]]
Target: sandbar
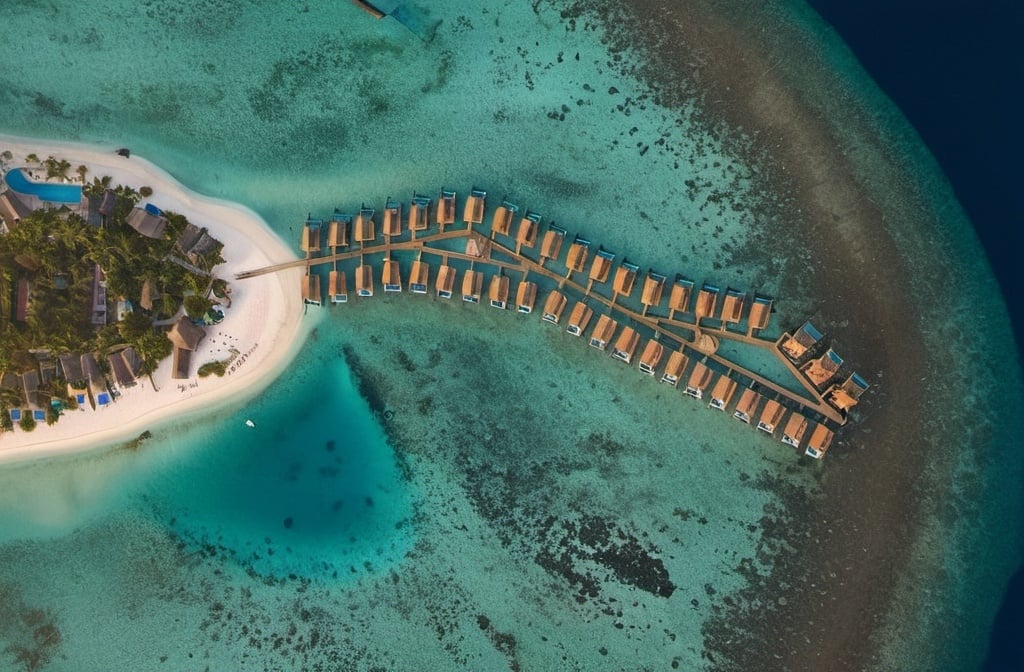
[[264, 322]]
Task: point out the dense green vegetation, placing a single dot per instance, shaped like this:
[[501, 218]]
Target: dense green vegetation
[[218, 369], [57, 250]]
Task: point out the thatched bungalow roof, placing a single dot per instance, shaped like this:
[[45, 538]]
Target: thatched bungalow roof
[[654, 287], [554, 305], [70, 368], [819, 443], [721, 393], [822, 370], [364, 280], [419, 213], [98, 394], [526, 236], [311, 288], [625, 278], [12, 382], [119, 370], [392, 218], [747, 405], [185, 334], [108, 203], [526, 296], [625, 344], [732, 306], [502, 221], [707, 299], [603, 332], [473, 212], [337, 286], [391, 276], [181, 363], [337, 230], [679, 298], [699, 380], [576, 259], [602, 265], [651, 355], [579, 318], [364, 229], [760, 312], [794, 430], [12, 209], [551, 244], [147, 223], [771, 416], [472, 286], [444, 285], [189, 237], [446, 207], [498, 291], [418, 277], [674, 368]]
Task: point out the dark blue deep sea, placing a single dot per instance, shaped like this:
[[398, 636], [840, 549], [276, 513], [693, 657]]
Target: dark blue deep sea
[[955, 69]]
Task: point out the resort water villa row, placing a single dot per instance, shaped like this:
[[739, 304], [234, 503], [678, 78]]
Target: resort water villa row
[[592, 291]]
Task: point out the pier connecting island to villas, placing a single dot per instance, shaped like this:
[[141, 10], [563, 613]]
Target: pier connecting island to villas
[[666, 323]]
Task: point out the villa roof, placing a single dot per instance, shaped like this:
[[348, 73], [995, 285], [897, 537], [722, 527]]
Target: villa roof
[[652, 353], [821, 438], [502, 221], [185, 334], [363, 228], [364, 278], [551, 244], [580, 315], [189, 237], [445, 281], [392, 218], [707, 298], [446, 207], [795, 428], [472, 283], [625, 279], [310, 289], [747, 404], [679, 299], [527, 233], [601, 266], [391, 273], [337, 283], [723, 390], [771, 415], [108, 203], [30, 387], [555, 304], [625, 344], [419, 273], [181, 363], [732, 306], [337, 231], [71, 367], [676, 364], [119, 368], [760, 312], [603, 330], [419, 213], [700, 377], [526, 294], [473, 213], [823, 369], [10, 381], [498, 289], [654, 286], [147, 223], [576, 259]]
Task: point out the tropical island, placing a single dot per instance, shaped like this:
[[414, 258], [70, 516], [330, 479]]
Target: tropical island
[[114, 306]]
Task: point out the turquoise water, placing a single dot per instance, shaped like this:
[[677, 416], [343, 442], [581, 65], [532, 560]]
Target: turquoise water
[[494, 493], [54, 193]]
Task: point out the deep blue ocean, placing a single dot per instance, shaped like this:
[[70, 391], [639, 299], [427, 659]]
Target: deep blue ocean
[[955, 69]]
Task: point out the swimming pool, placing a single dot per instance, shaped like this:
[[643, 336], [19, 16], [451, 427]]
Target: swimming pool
[[44, 191]]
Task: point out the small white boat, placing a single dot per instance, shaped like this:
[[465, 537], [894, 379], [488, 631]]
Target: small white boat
[[250, 423]]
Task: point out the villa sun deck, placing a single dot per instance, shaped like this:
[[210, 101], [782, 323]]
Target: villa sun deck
[[554, 305], [721, 393], [651, 356], [846, 395], [625, 344], [747, 405], [771, 416], [526, 296], [674, 368], [603, 332], [699, 380], [579, 318]]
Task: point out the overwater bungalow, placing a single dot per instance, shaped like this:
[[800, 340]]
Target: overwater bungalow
[[503, 216], [603, 332], [601, 267], [310, 241], [845, 395], [337, 230], [418, 277], [337, 287], [364, 229], [800, 342], [699, 380], [760, 313], [553, 307], [526, 296], [771, 416], [579, 318], [721, 393], [445, 208], [654, 288], [818, 444], [679, 298], [625, 279], [472, 286], [444, 285], [473, 212], [311, 289], [498, 291], [392, 218], [747, 405], [551, 244], [391, 276], [795, 429], [707, 300], [822, 370], [674, 368], [626, 344], [419, 213], [364, 280], [732, 306], [651, 356], [576, 259], [526, 236]]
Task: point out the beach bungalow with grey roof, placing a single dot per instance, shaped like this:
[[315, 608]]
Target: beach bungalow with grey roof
[[554, 305], [186, 335], [12, 210], [149, 221], [69, 367], [99, 395]]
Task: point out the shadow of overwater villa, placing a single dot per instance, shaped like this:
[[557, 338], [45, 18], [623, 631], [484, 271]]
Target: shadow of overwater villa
[[309, 489]]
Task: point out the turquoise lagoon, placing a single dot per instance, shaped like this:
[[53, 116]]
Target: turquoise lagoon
[[432, 485]]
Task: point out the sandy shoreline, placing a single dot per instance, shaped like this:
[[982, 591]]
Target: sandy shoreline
[[264, 323]]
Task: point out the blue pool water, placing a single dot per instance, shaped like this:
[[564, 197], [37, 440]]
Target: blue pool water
[[51, 193]]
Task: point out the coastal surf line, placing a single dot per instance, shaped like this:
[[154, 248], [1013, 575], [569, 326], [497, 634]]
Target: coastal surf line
[[680, 323]]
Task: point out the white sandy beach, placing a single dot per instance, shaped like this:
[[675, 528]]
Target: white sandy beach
[[264, 322]]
